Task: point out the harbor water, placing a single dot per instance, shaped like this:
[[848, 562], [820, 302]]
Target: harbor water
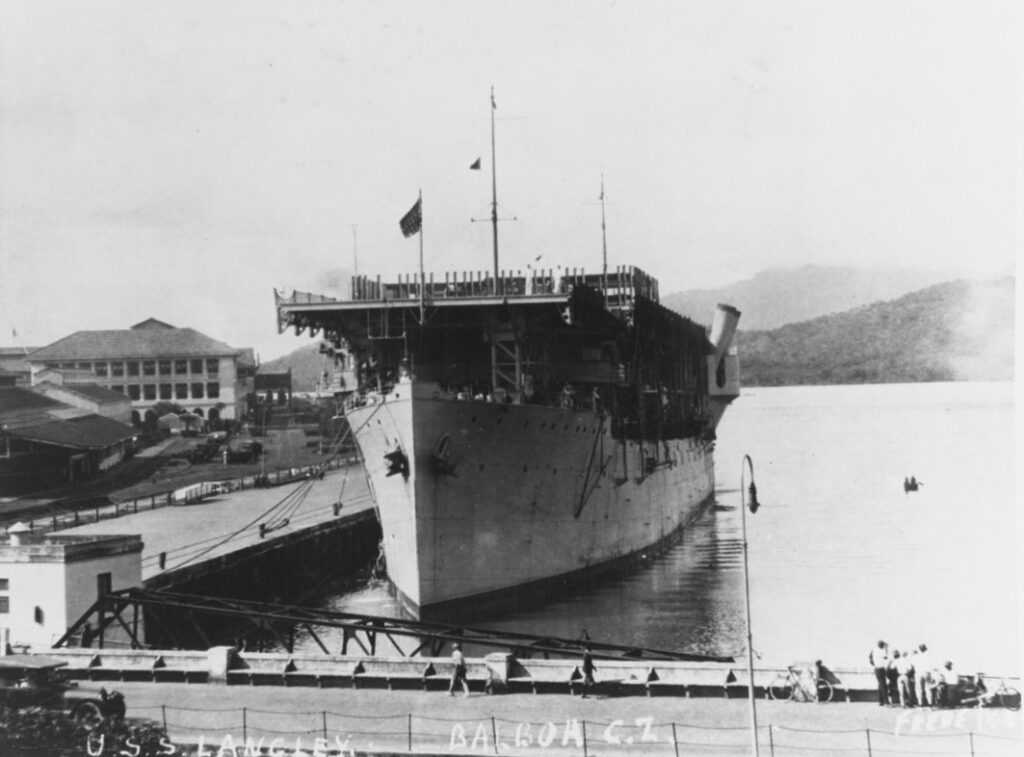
[[840, 556]]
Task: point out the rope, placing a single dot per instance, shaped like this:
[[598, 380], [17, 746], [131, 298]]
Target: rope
[[267, 513]]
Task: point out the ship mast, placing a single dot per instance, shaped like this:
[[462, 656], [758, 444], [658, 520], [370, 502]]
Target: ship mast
[[355, 251], [604, 248], [494, 194]]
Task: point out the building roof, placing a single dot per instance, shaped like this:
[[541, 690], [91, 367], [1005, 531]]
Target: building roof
[[145, 342], [92, 392], [152, 323], [17, 398], [87, 432], [247, 359], [13, 359]]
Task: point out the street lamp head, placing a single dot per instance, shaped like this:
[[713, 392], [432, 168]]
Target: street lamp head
[[752, 502]]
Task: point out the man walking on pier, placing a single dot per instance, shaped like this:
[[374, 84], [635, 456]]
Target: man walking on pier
[[588, 671], [879, 659], [459, 673]]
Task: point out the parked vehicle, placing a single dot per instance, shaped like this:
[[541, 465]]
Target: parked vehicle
[[245, 452], [33, 681], [205, 452]]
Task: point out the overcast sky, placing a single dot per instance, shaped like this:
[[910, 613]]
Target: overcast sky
[[180, 160]]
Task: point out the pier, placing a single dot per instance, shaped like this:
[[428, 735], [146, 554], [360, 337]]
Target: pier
[[409, 712], [187, 542]]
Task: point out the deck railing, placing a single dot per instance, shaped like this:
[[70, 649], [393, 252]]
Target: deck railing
[[622, 283]]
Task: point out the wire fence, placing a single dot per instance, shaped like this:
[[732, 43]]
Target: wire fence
[[327, 732]]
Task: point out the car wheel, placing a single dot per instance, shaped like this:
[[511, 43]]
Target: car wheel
[[88, 714]]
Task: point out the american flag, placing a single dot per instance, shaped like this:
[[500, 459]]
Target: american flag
[[413, 220]]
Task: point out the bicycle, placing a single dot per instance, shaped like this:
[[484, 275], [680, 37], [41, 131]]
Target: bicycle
[[1001, 696], [800, 685]]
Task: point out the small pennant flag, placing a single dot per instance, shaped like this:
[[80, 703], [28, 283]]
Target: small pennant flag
[[412, 221], [476, 165]]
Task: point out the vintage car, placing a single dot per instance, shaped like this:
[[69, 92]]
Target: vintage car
[[35, 681]]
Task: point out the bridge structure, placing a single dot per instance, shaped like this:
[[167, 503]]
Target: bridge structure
[[119, 619]]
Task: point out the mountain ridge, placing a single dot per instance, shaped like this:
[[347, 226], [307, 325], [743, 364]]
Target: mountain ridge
[[777, 296], [953, 331]]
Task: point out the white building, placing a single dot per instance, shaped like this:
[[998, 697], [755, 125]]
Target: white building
[[155, 362], [48, 581]]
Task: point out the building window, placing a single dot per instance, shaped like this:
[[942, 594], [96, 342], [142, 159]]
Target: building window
[[133, 368], [197, 391], [119, 388], [212, 366], [149, 391], [197, 367], [148, 367], [85, 366], [180, 367], [134, 392], [5, 584], [165, 391], [213, 390], [181, 391], [100, 369], [39, 615], [67, 365], [165, 367], [117, 369], [5, 605]]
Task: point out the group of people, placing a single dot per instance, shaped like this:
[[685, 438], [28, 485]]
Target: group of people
[[913, 678]]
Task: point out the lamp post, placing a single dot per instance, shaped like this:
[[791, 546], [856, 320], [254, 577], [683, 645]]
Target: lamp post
[[752, 502]]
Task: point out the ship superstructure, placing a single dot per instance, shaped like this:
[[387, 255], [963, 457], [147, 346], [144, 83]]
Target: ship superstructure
[[522, 430]]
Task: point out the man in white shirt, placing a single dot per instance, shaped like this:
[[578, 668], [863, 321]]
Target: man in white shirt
[[904, 667], [949, 686], [879, 659], [923, 677]]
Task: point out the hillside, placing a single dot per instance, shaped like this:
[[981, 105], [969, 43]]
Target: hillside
[[306, 363], [956, 331], [779, 296]]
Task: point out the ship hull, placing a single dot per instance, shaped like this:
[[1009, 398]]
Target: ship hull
[[497, 503]]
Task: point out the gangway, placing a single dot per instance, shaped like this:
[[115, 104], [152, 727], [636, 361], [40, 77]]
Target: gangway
[[123, 611]]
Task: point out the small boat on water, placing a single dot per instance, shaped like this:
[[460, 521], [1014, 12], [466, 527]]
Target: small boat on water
[[911, 485]]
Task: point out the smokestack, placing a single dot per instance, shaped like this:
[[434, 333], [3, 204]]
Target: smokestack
[[723, 328]]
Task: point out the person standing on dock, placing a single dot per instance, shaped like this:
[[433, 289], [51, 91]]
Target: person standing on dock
[[459, 673], [588, 672], [879, 659], [922, 676], [893, 676], [904, 670]]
